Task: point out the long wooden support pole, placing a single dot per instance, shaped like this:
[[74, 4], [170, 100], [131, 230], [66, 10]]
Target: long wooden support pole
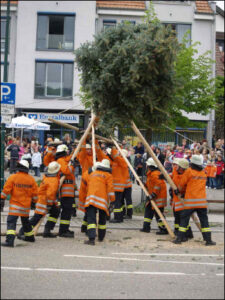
[[162, 169], [78, 130], [145, 190]]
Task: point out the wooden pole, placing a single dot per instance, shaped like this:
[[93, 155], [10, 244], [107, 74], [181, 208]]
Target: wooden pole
[[36, 227], [160, 166], [78, 130], [145, 190], [93, 145]]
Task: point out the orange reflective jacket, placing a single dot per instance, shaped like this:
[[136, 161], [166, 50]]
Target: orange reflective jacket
[[49, 156], [86, 160], [195, 191], [68, 186], [47, 194], [83, 191], [23, 190], [100, 191], [119, 171], [158, 187], [176, 203]]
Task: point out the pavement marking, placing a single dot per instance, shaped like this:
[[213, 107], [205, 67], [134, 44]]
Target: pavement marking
[[143, 260], [169, 254], [103, 271]]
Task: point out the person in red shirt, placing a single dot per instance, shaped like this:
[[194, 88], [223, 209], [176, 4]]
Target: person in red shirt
[[220, 172]]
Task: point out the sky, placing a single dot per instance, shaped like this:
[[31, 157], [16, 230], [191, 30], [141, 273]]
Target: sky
[[220, 4]]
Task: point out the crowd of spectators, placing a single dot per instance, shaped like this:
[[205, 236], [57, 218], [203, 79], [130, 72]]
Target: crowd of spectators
[[213, 158]]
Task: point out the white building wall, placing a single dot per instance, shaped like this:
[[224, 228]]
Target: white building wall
[[12, 43], [26, 49]]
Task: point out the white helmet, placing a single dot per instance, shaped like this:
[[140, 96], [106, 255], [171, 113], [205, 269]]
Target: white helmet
[[53, 167], [109, 151], [151, 162], [24, 163], [183, 163], [96, 165], [105, 163], [88, 146], [125, 152], [61, 148], [176, 161], [197, 160]]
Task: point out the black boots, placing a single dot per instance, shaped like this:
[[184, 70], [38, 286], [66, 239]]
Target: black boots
[[9, 242], [84, 228], [208, 239], [162, 231], [47, 233], [20, 235], [67, 234], [145, 229], [189, 233], [90, 242], [180, 240]]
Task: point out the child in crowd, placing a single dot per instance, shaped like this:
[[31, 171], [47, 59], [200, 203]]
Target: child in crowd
[[36, 162], [211, 170]]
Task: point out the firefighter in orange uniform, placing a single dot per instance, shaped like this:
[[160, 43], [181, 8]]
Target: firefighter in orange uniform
[[194, 183], [85, 157], [50, 152], [47, 201], [178, 171], [158, 192], [23, 190], [100, 194], [119, 173], [67, 192]]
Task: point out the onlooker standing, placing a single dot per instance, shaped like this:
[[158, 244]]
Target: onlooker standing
[[159, 155], [180, 153], [168, 164], [139, 149], [220, 172], [36, 162], [22, 150], [27, 156], [14, 155]]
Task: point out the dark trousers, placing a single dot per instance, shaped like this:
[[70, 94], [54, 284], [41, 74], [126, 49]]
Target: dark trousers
[[148, 217], [127, 207], [37, 171], [12, 165], [91, 219], [84, 222], [203, 218], [11, 227], [177, 222], [66, 206], [118, 209]]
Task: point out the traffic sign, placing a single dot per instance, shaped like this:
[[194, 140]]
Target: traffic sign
[[7, 109], [8, 93], [6, 119]]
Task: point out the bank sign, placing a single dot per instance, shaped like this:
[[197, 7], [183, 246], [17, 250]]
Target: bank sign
[[43, 117]]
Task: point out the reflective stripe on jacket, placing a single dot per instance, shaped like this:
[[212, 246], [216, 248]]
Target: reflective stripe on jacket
[[47, 194], [176, 203], [119, 171], [23, 190], [68, 186], [100, 191], [195, 191], [158, 187]]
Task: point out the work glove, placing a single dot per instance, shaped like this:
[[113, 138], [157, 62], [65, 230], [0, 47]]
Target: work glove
[[32, 207], [2, 204], [176, 192]]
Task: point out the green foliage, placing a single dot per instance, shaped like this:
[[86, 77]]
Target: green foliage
[[141, 73], [219, 108], [128, 71]]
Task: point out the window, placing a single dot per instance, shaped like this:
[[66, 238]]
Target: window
[[53, 79], [55, 32], [181, 30], [221, 44], [109, 24], [129, 22], [3, 34]]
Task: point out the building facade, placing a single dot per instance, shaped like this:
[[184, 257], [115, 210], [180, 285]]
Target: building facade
[[44, 35]]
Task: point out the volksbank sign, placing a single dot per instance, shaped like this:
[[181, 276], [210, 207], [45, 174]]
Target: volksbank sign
[[43, 117]]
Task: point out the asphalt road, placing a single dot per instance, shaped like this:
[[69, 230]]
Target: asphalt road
[[127, 265]]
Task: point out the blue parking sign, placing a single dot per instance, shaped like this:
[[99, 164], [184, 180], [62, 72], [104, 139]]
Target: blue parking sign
[[8, 93]]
